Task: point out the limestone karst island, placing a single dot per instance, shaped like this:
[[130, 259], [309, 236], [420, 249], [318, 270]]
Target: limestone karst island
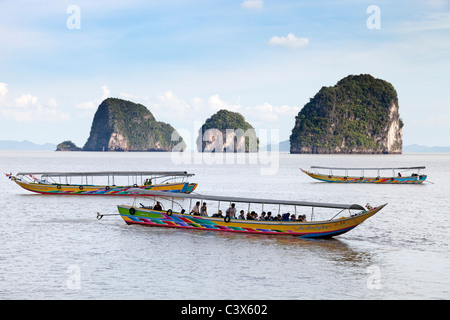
[[227, 131], [359, 115]]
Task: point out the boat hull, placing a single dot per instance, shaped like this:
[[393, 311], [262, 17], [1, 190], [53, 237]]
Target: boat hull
[[380, 180], [62, 189], [319, 229]]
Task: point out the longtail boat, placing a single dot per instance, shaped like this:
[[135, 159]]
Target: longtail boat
[[292, 222], [110, 183], [400, 175]]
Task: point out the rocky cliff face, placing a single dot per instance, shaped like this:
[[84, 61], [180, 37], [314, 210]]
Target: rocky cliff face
[[121, 125], [227, 131], [360, 114]]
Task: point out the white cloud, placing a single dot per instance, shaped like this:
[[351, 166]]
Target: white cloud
[[252, 4], [430, 21], [215, 103], [106, 92], [3, 90], [172, 103], [93, 104], [25, 101], [27, 108], [290, 41]]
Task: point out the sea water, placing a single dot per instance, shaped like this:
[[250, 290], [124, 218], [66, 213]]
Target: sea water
[[53, 247]]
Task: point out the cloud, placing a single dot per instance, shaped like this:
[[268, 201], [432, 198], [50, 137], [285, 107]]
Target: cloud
[[93, 104], [267, 112], [28, 108], [3, 90], [290, 41], [430, 21], [172, 103], [252, 4], [25, 101], [215, 103]]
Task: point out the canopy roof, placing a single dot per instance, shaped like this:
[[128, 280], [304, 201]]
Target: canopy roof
[[245, 200], [389, 168], [109, 173]]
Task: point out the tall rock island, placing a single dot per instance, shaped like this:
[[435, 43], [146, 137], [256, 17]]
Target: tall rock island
[[360, 114], [227, 131], [121, 125]]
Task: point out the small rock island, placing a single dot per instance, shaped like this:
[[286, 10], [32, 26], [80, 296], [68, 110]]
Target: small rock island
[[227, 131], [360, 115], [67, 146]]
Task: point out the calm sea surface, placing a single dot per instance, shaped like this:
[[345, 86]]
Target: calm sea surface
[[53, 247]]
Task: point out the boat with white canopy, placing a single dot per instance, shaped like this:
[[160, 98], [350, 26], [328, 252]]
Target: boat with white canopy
[[114, 183], [384, 175], [292, 218]]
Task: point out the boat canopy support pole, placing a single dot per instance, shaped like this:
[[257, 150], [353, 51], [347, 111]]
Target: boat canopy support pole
[[336, 214]]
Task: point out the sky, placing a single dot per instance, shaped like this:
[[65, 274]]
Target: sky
[[186, 59]]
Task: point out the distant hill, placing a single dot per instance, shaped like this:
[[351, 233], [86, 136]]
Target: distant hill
[[415, 148], [283, 146], [25, 145]]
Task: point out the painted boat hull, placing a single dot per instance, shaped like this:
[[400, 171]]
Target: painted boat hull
[[61, 189], [316, 229], [380, 180]]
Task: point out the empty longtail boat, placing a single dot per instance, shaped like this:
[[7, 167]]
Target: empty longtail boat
[[292, 215], [400, 175], [108, 183]]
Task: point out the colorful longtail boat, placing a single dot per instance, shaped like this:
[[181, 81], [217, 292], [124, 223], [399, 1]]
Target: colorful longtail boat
[[291, 224], [400, 175], [112, 183]]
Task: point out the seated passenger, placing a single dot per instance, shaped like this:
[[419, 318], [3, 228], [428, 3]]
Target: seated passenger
[[269, 216], [301, 218], [231, 211], [196, 209], [241, 215], [262, 217], [218, 214], [203, 211], [157, 206], [292, 217]]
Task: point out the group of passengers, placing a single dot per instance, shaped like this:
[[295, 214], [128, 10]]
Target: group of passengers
[[231, 212]]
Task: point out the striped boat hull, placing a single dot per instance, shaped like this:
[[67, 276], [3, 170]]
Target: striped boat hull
[[380, 180], [319, 229]]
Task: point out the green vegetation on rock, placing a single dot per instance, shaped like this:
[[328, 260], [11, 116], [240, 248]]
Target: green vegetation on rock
[[67, 146], [121, 125], [233, 128], [358, 115]]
